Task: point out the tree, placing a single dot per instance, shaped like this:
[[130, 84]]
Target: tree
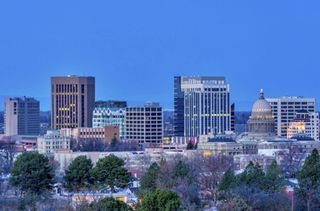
[[109, 203], [253, 176], [254, 188], [171, 172], [110, 172], [180, 176], [78, 174], [113, 144], [164, 200], [188, 194], [228, 181], [235, 204], [7, 149], [259, 199], [210, 173], [309, 179], [149, 181], [180, 170], [274, 180], [292, 160], [31, 173]]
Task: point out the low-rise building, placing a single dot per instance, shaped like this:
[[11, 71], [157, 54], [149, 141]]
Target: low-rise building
[[125, 195], [304, 123], [219, 145], [106, 133], [53, 141], [133, 159], [301, 143]]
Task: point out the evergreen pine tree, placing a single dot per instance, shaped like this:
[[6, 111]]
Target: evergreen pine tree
[[274, 180]]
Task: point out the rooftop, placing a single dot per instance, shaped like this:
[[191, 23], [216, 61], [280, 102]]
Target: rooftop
[[221, 139]]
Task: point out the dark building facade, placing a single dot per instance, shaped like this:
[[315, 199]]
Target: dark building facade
[[178, 115], [22, 116], [73, 101], [233, 117]]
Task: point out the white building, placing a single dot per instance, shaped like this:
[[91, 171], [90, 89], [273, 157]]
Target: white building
[[206, 105], [304, 123], [284, 110], [144, 124], [52, 141]]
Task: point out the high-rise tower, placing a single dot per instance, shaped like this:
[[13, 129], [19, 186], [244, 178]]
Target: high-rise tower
[[202, 105], [22, 116], [73, 99]]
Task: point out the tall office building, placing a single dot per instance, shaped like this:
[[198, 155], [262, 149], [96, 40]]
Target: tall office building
[[22, 116], [284, 111], [178, 114], [73, 99], [144, 124], [201, 105], [110, 113]]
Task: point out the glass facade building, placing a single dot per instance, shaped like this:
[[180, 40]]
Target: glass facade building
[[205, 104], [178, 115], [110, 113]]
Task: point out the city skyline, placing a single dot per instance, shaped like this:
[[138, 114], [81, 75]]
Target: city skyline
[[159, 105], [271, 45], [245, 104]]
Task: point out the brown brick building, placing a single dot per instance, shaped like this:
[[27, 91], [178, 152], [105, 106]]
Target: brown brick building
[[72, 101], [106, 133]]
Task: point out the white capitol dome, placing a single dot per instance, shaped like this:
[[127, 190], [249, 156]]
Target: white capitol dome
[[261, 122], [261, 109]]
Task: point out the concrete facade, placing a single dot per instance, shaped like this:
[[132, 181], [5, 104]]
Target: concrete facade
[[52, 141], [144, 125], [284, 110], [73, 99], [22, 116]]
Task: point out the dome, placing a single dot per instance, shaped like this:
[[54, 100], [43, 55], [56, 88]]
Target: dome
[[261, 121], [261, 108]]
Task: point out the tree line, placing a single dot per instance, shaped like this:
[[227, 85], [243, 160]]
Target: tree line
[[254, 189], [176, 183]]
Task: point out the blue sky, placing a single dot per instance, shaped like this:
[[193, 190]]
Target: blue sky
[[134, 48]]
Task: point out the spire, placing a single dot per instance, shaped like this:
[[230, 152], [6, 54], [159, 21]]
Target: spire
[[261, 94]]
